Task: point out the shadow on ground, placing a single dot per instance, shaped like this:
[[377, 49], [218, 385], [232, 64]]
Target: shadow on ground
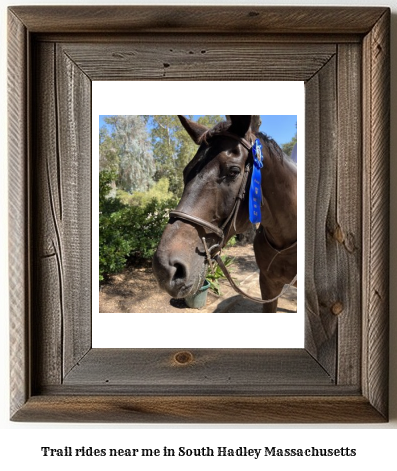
[[136, 291]]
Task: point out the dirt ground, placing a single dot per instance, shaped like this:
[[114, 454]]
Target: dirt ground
[[136, 290]]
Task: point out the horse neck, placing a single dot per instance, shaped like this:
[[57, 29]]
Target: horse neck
[[279, 199]]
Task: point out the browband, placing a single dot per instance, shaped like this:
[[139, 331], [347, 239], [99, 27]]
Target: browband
[[241, 140]]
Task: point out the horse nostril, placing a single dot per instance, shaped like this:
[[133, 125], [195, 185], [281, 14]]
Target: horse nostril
[[180, 271]]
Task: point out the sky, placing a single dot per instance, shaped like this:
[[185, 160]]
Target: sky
[[281, 128]]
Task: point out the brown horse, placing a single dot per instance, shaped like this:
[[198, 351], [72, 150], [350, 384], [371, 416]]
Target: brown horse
[[214, 207]]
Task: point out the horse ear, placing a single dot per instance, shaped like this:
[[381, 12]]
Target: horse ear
[[195, 130], [240, 124]]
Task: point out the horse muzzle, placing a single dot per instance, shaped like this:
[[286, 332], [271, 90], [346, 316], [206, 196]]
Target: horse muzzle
[[178, 265]]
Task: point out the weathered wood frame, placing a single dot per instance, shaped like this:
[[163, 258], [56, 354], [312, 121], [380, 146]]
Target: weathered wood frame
[[343, 56]]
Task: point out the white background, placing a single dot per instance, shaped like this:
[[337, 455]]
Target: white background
[[20, 443], [226, 330]]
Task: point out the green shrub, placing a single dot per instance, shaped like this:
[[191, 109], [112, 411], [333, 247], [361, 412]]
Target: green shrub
[[127, 232], [114, 247], [144, 226], [159, 191]]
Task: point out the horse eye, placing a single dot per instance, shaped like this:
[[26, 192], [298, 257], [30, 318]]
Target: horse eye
[[233, 172]]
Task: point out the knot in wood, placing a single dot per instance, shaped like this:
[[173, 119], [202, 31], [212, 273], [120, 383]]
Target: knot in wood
[[183, 358], [339, 235], [337, 308]]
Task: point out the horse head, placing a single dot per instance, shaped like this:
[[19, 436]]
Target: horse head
[[214, 181]]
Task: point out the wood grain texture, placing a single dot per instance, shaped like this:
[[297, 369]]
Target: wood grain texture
[[346, 228], [47, 277], [247, 370], [190, 59], [18, 213], [321, 279], [198, 409], [341, 376], [62, 198], [73, 89], [376, 91], [196, 19]]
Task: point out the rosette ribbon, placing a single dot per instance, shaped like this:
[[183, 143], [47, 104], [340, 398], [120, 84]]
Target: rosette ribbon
[[255, 192]]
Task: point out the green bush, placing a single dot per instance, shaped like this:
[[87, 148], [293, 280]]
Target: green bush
[[127, 232], [114, 247], [159, 191]]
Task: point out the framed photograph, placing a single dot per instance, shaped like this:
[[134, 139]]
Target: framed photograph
[[56, 54], [130, 300]]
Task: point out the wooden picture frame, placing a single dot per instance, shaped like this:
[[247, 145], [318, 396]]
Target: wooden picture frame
[[342, 54]]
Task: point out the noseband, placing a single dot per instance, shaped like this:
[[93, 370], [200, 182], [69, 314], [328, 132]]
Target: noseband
[[221, 231]]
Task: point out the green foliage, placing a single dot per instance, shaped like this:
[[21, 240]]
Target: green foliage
[[128, 151], [213, 277], [287, 148], [159, 191], [216, 275], [168, 137], [210, 120], [114, 247], [173, 148], [106, 179], [108, 152], [145, 149], [127, 231], [144, 225], [232, 241]]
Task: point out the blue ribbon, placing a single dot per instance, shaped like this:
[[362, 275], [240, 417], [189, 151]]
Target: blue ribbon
[[255, 193]]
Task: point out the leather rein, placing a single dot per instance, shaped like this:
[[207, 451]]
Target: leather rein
[[213, 252]]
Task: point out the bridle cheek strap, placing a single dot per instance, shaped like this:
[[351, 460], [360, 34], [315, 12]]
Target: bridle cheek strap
[[219, 231]]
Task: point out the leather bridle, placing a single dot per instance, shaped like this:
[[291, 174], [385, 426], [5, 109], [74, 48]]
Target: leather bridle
[[222, 231], [213, 252]]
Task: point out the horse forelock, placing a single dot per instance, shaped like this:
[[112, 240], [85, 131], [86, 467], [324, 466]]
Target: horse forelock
[[202, 156], [217, 130], [196, 164]]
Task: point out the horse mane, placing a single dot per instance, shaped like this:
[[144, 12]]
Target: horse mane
[[272, 146]]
